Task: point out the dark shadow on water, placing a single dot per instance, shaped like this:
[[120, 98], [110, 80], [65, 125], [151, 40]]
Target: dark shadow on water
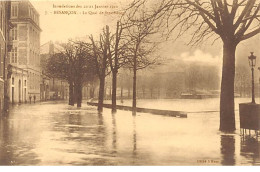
[[228, 150], [250, 149]]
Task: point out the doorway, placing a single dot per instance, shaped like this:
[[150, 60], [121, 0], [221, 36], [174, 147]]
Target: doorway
[[19, 91]]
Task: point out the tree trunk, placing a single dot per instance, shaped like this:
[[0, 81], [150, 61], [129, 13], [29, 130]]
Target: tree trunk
[[114, 84], [227, 114], [79, 94], [75, 93], [122, 89], [101, 93], [134, 90], [71, 94]]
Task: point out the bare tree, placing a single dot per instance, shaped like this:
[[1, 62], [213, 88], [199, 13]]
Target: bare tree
[[70, 55], [84, 68], [101, 53], [231, 21], [140, 31], [116, 48]]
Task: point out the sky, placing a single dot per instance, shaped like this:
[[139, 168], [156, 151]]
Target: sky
[[61, 27]]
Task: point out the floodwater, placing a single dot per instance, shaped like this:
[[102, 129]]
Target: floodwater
[[187, 105], [53, 133]]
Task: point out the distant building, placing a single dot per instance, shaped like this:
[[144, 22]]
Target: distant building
[[52, 88], [24, 58]]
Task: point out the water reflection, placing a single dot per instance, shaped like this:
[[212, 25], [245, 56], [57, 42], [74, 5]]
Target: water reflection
[[114, 134], [74, 120], [250, 149], [228, 150], [134, 137], [5, 151], [55, 134], [101, 130], [14, 148]]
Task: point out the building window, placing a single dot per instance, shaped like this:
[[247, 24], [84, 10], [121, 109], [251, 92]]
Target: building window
[[13, 34], [12, 80], [14, 55], [14, 10], [25, 83]]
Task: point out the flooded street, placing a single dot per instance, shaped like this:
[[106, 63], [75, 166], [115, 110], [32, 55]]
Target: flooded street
[[53, 133]]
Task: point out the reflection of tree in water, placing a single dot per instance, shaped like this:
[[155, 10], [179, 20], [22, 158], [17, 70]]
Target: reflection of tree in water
[[101, 134], [85, 127], [250, 149], [114, 134], [228, 150], [100, 128], [74, 119], [134, 138], [13, 149], [87, 135], [96, 144]]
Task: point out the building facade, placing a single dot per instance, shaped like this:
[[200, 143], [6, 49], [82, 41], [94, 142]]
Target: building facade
[[4, 45], [24, 58]]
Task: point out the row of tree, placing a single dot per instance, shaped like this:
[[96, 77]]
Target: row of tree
[[73, 63], [128, 46], [230, 21]]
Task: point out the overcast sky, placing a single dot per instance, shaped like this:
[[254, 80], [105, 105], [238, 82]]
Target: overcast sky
[[58, 27], [62, 27]]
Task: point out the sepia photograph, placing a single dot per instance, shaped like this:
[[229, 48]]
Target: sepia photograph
[[129, 83]]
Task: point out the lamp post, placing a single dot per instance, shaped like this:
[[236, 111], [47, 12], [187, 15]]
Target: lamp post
[[252, 62]]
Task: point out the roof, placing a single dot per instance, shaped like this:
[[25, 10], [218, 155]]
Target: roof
[[45, 48]]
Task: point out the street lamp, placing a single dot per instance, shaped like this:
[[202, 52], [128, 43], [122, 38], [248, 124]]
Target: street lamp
[[252, 62]]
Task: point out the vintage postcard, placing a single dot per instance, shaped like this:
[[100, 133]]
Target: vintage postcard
[[129, 83]]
